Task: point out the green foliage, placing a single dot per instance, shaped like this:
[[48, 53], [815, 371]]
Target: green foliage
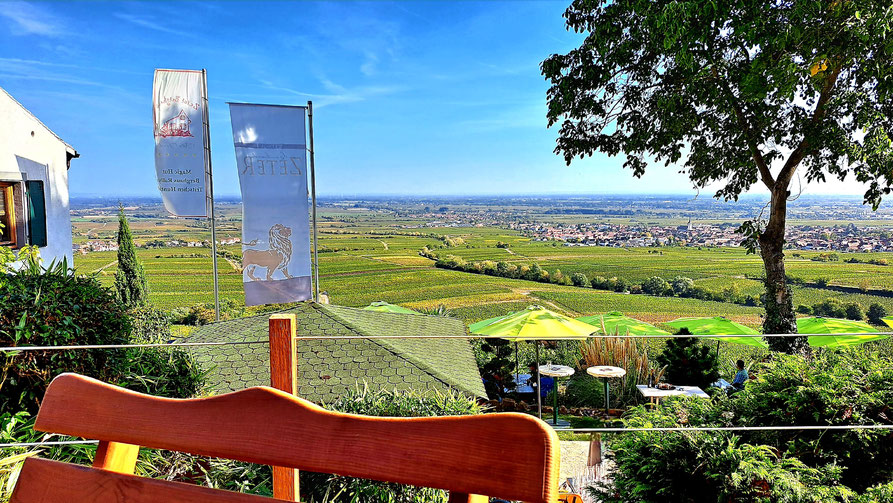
[[653, 467], [682, 286], [656, 285], [55, 307], [18, 428], [584, 391], [876, 312], [149, 323], [130, 279], [854, 311], [496, 362], [688, 362], [580, 280], [830, 308], [830, 388], [840, 387]]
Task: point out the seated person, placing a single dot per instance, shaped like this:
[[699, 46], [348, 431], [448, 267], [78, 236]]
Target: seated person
[[547, 382], [531, 381], [740, 378]]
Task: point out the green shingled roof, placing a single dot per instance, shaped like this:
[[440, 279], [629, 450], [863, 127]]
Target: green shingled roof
[[328, 367]]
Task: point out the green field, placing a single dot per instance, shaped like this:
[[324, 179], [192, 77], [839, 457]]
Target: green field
[[368, 256]]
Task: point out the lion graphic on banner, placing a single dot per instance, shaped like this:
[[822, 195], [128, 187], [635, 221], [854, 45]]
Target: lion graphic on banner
[[275, 258]]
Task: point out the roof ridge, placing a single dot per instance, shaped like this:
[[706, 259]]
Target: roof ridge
[[418, 362], [29, 112]]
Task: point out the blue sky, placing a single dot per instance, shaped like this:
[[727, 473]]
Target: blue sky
[[409, 97]]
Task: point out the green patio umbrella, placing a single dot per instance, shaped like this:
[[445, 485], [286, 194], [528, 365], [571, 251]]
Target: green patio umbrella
[[819, 325], [718, 325], [384, 307], [533, 324], [616, 322]]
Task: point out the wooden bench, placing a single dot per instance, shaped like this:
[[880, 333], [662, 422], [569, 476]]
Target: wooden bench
[[509, 456]]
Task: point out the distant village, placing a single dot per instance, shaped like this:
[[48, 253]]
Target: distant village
[[98, 245], [846, 238]]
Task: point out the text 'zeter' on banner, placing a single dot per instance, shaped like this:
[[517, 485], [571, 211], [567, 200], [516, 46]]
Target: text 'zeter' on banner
[[271, 156], [178, 107]]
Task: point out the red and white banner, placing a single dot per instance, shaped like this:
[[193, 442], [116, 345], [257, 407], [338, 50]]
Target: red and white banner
[[178, 109]]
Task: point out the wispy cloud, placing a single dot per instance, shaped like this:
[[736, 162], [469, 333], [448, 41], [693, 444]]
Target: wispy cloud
[[336, 93], [30, 19], [146, 22]]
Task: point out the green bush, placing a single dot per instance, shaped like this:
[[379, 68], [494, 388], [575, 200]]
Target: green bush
[[51, 308], [580, 279], [831, 308], [830, 388], [682, 286], [150, 323], [854, 311], [656, 285], [876, 312], [584, 391], [706, 466], [841, 387], [688, 362]]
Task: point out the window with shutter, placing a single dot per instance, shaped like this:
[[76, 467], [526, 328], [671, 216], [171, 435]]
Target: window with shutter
[[37, 213]]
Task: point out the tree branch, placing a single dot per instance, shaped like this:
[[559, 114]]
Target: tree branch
[[765, 174], [787, 172]]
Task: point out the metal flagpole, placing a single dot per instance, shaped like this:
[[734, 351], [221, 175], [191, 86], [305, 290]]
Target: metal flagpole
[[206, 119], [313, 199]]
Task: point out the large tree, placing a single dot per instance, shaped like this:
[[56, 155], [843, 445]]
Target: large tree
[[736, 93]]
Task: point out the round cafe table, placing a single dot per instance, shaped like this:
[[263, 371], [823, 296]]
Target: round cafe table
[[605, 372], [555, 371]]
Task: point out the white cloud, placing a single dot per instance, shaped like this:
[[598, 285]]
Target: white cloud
[[146, 22], [30, 19], [337, 93]]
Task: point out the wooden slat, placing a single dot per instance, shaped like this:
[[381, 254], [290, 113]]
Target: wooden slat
[[45, 481], [116, 457], [510, 456], [283, 376]]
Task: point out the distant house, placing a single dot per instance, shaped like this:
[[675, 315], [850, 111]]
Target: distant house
[[329, 367], [34, 164]]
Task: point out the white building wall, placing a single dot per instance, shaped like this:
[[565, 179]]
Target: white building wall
[[30, 151]]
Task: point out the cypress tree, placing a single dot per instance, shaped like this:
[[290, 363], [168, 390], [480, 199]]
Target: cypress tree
[[688, 363], [130, 279]]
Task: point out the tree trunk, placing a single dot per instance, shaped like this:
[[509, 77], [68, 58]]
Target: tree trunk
[[779, 303]]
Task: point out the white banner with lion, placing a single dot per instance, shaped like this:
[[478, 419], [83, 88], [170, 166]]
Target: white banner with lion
[[271, 156]]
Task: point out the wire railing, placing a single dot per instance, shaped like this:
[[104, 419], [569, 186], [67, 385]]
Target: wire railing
[[77, 347], [72, 347]]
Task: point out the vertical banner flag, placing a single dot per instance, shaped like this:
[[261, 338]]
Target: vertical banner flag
[[178, 103], [271, 156]]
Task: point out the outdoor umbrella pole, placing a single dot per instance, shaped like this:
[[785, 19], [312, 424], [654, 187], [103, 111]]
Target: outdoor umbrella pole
[[516, 363], [539, 395]]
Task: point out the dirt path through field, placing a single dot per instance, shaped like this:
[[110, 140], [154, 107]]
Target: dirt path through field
[[113, 262]]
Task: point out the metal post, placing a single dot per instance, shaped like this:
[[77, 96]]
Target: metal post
[[517, 372], [313, 199], [206, 119], [539, 384], [607, 396], [555, 408]]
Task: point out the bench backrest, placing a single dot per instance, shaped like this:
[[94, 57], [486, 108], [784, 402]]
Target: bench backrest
[[509, 456]]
